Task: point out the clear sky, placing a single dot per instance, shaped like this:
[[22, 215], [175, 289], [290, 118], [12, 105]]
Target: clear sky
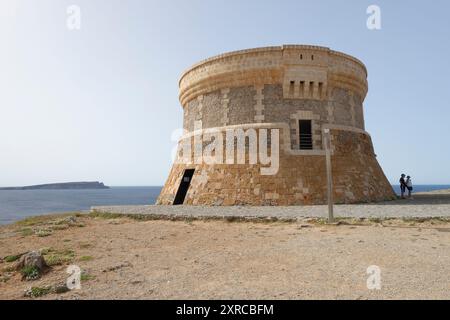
[[101, 103]]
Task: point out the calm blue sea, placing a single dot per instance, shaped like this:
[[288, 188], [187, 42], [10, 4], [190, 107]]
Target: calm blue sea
[[18, 204], [423, 187]]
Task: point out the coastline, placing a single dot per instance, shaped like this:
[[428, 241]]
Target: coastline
[[17, 205]]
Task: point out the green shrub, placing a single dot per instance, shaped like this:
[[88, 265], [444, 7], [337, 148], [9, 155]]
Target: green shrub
[[58, 257], [30, 272], [86, 277], [43, 232], [86, 258], [12, 258], [26, 232], [36, 292]]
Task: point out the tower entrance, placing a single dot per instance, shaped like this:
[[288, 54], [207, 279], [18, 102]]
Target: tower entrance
[[184, 186]]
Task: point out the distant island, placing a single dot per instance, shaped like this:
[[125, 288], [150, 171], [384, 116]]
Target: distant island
[[62, 186]]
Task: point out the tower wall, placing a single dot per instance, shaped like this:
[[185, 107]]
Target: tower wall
[[274, 88]]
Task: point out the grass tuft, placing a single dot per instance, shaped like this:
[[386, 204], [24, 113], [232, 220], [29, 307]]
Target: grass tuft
[[12, 258], [30, 272], [58, 257], [36, 292], [25, 232], [43, 219], [86, 276], [105, 215], [86, 258], [44, 232]]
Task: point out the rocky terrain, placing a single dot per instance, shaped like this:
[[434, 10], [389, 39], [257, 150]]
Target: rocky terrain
[[125, 258]]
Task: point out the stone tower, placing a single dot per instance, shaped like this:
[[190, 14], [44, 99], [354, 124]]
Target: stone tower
[[286, 98]]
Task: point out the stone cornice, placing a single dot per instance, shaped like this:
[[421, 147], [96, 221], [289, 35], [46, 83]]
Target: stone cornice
[[267, 65]]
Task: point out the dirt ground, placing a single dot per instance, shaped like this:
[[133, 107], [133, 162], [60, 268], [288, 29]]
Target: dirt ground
[[123, 258]]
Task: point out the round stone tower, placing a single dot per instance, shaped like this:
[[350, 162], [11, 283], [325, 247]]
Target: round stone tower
[[254, 125]]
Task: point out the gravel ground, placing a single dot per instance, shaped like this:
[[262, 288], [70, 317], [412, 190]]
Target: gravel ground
[[432, 204], [129, 259]]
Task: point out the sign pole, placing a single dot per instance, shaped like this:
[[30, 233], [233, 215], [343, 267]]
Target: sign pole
[[327, 144]]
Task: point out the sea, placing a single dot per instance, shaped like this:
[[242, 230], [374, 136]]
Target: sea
[[19, 204]]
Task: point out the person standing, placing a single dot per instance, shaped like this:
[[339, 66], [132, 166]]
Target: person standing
[[402, 185], [409, 185]]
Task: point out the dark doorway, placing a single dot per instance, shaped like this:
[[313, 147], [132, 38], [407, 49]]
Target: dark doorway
[[305, 130], [184, 186]]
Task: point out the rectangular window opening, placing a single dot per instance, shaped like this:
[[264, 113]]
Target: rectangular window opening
[[305, 134]]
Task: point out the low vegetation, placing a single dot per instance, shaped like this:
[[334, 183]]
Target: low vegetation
[[43, 232], [86, 276], [36, 292], [45, 219], [46, 225], [30, 273], [25, 232], [86, 258], [12, 258], [105, 215], [55, 257]]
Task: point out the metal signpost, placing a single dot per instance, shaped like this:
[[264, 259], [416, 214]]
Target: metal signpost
[[327, 144]]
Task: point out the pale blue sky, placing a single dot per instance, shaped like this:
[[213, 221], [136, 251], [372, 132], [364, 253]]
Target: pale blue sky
[[101, 103]]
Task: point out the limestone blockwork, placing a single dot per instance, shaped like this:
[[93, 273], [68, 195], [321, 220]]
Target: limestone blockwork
[[276, 88]]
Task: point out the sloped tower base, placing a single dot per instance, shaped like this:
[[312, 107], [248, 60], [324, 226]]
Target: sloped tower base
[[301, 180]]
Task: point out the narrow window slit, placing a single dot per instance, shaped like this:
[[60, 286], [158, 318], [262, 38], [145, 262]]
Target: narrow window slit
[[305, 134], [291, 87], [320, 89]]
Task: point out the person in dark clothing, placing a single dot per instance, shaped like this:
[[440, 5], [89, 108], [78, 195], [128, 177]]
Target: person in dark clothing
[[402, 185]]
